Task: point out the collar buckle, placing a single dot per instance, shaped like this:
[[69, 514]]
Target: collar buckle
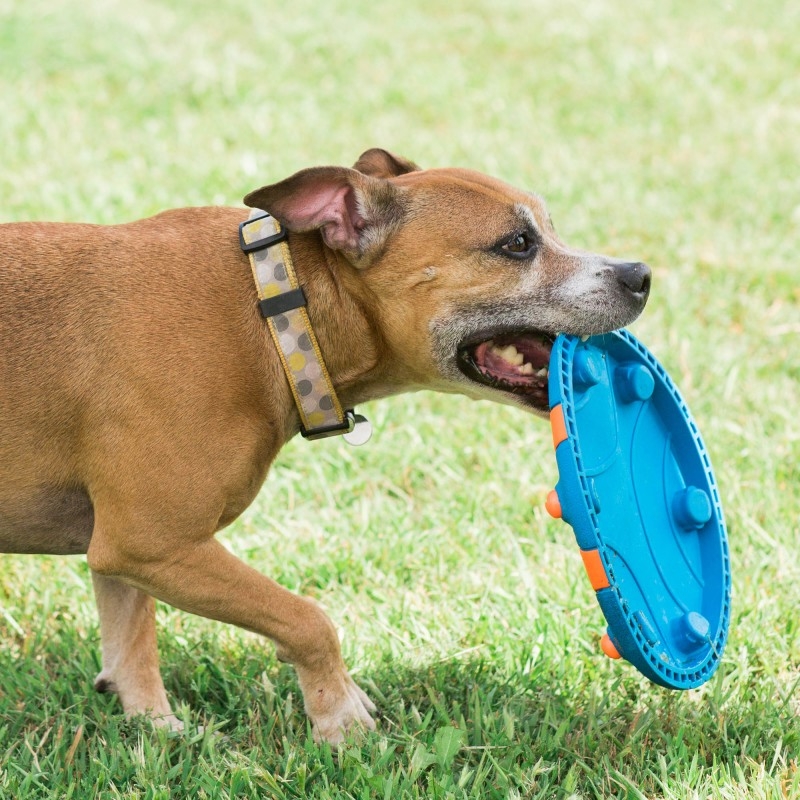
[[259, 244]]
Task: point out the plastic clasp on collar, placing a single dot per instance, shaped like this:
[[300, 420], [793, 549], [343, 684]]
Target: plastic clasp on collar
[[259, 244], [356, 430]]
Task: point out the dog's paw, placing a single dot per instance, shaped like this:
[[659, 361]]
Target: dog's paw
[[148, 701], [168, 721], [335, 711]]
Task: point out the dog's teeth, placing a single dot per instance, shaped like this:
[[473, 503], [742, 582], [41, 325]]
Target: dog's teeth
[[514, 356], [584, 338], [527, 369], [544, 372], [510, 354]]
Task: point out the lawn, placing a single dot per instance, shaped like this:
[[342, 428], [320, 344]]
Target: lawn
[[662, 131]]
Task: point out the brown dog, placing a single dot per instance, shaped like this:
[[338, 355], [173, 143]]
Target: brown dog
[[142, 399]]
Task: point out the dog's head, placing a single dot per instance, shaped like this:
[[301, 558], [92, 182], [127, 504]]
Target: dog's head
[[465, 273]]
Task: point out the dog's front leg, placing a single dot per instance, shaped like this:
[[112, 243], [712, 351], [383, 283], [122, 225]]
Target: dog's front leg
[[130, 655], [206, 579]]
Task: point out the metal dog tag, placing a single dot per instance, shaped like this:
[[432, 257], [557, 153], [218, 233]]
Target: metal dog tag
[[361, 432]]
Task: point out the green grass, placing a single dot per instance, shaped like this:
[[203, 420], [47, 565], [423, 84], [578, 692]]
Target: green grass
[[666, 131]]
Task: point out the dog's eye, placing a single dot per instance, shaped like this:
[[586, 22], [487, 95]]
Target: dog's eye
[[519, 245]]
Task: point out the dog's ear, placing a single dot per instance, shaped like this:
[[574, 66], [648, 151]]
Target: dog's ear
[[383, 164], [354, 212]]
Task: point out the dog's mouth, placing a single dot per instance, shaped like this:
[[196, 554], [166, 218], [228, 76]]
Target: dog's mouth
[[516, 363]]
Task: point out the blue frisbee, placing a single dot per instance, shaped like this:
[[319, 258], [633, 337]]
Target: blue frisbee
[[637, 488]]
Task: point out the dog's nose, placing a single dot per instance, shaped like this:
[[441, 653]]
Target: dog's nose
[[634, 276]]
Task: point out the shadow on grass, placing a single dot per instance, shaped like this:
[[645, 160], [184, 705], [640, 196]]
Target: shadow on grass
[[471, 725]]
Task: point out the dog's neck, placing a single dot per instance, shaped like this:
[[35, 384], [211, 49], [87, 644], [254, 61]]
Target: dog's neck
[[356, 357], [305, 289]]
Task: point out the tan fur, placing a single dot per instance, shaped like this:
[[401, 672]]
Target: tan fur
[[142, 400]]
